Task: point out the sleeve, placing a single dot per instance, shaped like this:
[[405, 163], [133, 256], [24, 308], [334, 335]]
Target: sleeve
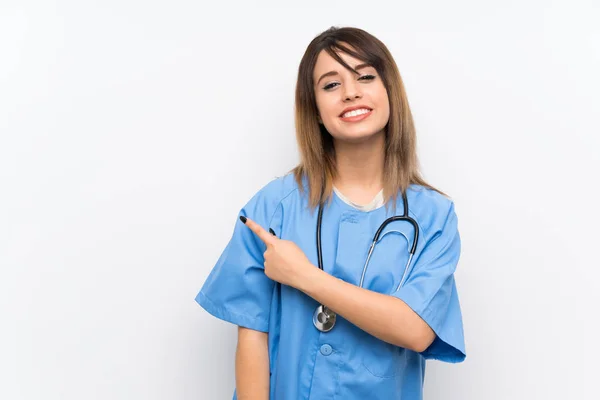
[[430, 291], [237, 289]]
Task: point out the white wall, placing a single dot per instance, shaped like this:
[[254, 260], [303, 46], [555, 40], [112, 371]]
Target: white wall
[[131, 132]]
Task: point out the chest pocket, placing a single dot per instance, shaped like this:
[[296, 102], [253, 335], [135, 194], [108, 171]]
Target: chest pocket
[[388, 261]]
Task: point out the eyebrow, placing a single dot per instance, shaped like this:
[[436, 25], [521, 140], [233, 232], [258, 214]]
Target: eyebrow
[[332, 73]]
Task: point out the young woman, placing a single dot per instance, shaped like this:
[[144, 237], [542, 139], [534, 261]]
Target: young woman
[[340, 274]]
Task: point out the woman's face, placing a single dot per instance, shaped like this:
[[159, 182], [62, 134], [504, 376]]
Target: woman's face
[[338, 89]]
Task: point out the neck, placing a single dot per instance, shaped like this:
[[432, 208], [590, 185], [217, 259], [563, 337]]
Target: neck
[[359, 166]]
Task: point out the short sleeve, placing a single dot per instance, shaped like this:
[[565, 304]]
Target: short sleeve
[[237, 289], [430, 291]]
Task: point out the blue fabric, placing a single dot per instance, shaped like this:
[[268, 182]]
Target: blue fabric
[[347, 362]]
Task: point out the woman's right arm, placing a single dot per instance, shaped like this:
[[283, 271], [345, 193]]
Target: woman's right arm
[[252, 365]]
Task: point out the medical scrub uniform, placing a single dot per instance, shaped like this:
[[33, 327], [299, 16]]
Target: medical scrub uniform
[[345, 363]]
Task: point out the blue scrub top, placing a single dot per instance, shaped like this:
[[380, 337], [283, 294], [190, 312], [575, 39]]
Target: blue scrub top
[[347, 362]]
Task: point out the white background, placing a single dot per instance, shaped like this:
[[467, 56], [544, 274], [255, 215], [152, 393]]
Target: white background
[[131, 133]]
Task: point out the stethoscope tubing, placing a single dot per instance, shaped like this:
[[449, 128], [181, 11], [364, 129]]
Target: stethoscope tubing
[[322, 309]]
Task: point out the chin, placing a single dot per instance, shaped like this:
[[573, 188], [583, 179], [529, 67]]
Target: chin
[[359, 136]]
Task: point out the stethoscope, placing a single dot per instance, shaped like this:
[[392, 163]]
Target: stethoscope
[[323, 317]]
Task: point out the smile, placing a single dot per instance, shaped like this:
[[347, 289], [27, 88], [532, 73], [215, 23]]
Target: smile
[[356, 115]]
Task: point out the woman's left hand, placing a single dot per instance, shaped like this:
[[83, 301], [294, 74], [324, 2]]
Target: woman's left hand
[[285, 262]]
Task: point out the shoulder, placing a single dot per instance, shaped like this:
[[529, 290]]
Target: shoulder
[[278, 189], [268, 199], [432, 210]]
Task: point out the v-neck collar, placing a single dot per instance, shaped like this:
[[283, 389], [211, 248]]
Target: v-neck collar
[[377, 201]]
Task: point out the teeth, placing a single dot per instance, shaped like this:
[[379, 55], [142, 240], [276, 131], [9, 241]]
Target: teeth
[[354, 113]]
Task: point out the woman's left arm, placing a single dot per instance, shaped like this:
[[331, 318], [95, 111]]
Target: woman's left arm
[[386, 317]]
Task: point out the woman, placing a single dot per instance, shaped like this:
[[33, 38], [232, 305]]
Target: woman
[[342, 320]]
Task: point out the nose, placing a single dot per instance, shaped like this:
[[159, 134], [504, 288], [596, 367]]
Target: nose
[[352, 90]]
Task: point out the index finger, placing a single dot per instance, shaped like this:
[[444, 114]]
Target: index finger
[[262, 234]]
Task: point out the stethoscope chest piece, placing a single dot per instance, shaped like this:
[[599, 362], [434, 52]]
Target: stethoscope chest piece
[[324, 319]]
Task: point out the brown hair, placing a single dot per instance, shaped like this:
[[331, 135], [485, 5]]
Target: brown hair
[[317, 153]]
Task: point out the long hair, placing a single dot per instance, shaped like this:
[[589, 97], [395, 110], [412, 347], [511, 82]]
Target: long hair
[[315, 144]]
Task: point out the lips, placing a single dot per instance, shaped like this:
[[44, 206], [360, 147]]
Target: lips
[[354, 108], [357, 118]]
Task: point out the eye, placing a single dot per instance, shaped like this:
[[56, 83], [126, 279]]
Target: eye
[[364, 77], [367, 77]]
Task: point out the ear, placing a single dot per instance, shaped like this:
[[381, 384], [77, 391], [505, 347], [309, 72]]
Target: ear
[[319, 119]]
